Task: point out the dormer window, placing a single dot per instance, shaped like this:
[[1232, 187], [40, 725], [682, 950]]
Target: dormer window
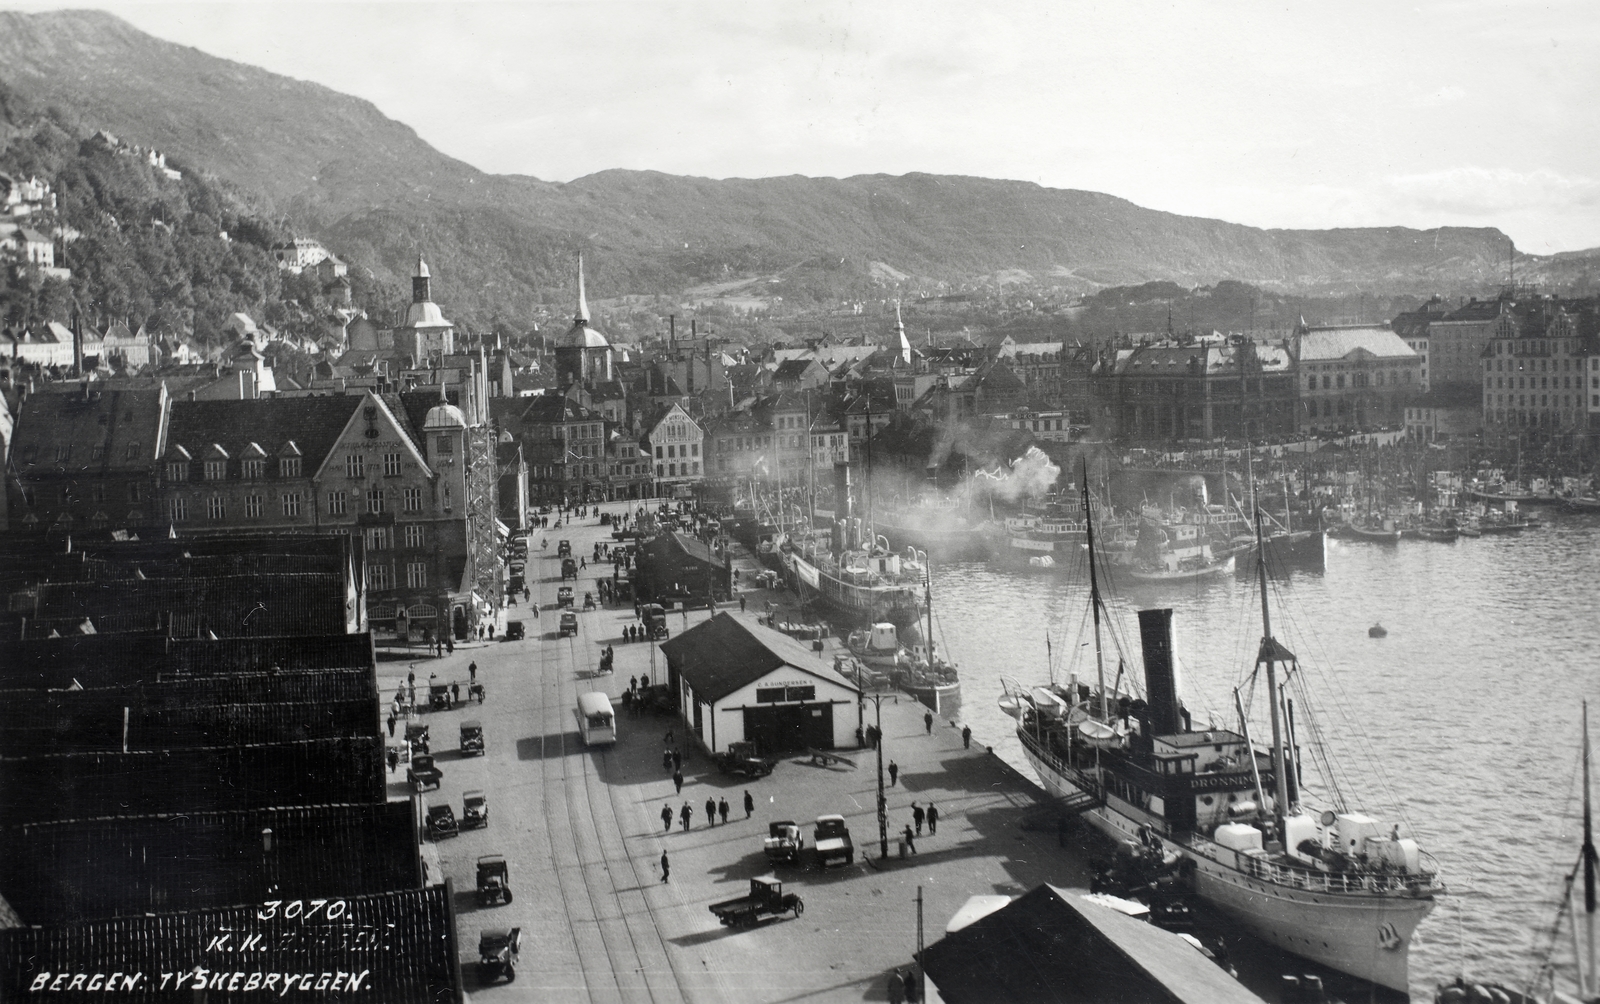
[[289, 467], [253, 468], [178, 471], [216, 470]]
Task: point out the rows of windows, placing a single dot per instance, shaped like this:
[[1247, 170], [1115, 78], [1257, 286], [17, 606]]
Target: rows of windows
[[672, 471], [251, 469], [691, 450], [1543, 383]]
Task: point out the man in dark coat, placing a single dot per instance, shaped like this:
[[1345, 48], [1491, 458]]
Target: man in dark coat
[[966, 737], [686, 814], [666, 866], [894, 773], [677, 780], [666, 818], [722, 809], [749, 804], [711, 811], [917, 816], [933, 819], [927, 721]]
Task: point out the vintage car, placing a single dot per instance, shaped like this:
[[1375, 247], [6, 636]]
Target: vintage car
[[474, 809], [472, 738], [569, 624], [515, 631], [494, 883], [498, 954], [423, 773], [564, 596], [442, 822], [564, 549]]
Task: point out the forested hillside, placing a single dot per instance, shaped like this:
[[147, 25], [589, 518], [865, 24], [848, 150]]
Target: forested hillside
[[178, 256]]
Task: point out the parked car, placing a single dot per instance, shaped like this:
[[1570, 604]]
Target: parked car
[[472, 738], [442, 822], [423, 773], [515, 631], [741, 759], [474, 809], [784, 842], [494, 883], [833, 842], [499, 952]]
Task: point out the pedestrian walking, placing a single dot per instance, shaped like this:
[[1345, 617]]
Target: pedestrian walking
[[722, 809], [491, 626], [455, 692], [666, 818], [749, 804], [394, 759], [472, 673], [686, 814], [894, 773], [917, 815], [391, 725], [450, 644], [411, 678], [741, 603], [677, 780], [677, 759], [927, 721], [633, 683], [666, 866], [933, 819], [667, 738], [666, 759], [897, 988], [966, 737], [911, 840], [711, 811]]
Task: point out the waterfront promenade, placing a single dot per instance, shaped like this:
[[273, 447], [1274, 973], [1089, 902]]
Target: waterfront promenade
[[582, 831]]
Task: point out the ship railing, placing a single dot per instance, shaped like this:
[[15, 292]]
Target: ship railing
[[1361, 881]]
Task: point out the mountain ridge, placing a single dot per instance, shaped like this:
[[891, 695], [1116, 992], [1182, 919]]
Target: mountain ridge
[[334, 166]]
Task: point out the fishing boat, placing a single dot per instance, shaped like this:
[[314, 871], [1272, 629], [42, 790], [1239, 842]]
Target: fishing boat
[[1442, 533], [1331, 884], [878, 646], [1377, 532], [927, 676], [1543, 987], [1176, 552]]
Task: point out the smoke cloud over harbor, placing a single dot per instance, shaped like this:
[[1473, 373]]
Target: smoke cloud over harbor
[[1031, 476]]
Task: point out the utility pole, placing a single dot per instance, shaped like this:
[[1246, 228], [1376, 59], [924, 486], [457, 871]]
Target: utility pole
[[883, 802], [916, 970]]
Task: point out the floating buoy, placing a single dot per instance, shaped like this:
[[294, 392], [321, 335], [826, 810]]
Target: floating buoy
[[1377, 631]]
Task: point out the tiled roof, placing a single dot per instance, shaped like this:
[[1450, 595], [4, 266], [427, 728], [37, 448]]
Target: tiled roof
[[123, 424], [1327, 344], [81, 785], [411, 962], [93, 869], [311, 423], [720, 655]]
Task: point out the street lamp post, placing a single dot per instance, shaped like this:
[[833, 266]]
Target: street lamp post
[[883, 802]]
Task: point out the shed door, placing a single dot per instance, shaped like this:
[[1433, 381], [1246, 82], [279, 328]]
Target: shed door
[[785, 728]]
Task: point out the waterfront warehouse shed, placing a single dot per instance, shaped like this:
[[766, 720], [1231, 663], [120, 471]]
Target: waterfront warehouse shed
[[1052, 946], [739, 680]]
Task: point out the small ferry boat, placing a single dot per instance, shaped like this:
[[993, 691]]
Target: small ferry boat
[[878, 646]]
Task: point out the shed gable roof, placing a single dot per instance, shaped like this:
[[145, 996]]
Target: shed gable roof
[[727, 653]]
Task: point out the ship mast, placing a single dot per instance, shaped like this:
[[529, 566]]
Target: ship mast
[[1094, 595], [1269, 650], [1588, 978]]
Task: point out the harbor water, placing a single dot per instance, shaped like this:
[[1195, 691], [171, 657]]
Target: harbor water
[[1462, 723]]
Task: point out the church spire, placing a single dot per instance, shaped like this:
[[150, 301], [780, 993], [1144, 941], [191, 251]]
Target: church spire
[[582, 316], [420, 280]]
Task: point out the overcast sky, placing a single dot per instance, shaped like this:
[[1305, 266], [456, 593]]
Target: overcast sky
[[1287, 114]]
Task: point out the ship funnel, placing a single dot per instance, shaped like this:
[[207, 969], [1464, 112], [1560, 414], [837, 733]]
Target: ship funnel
[[841, 491], [1160, 677]]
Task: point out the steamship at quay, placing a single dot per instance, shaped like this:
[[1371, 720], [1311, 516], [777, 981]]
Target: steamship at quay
[[1332, 885], [858, 580]]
